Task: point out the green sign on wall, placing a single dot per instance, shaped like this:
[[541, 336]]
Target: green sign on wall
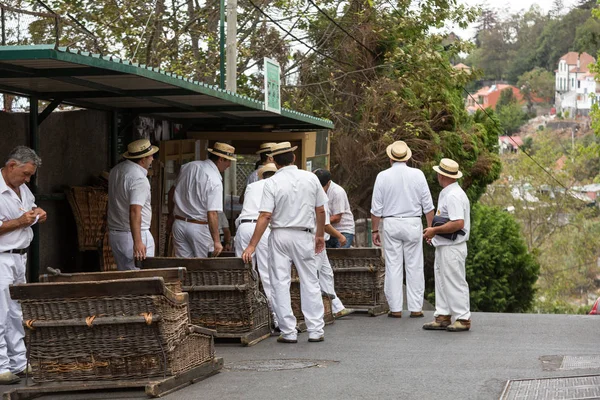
[[272, 86]]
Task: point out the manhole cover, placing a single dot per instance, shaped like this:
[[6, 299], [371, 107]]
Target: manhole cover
[[276, 365], [570, 388], [580, 362]]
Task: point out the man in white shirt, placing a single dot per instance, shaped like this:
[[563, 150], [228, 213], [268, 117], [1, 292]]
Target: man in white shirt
[[340, 213], [18, 212], [129, 207], [293, 202], [450, 241], [265, 158], [198, 199], [400, 197]]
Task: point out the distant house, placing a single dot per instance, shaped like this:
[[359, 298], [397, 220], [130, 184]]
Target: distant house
[[576, 88], [488, 96], [592, 191], [509, 144], [462, 67]]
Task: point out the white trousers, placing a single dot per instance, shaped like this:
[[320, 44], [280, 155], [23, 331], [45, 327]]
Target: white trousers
[[326, 280], [260, 259], [192, 240], [451, 287], [403, 248], [13, 356], [287, 246], [121, 244]]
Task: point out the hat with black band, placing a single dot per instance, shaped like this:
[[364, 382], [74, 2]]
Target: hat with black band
[[140, 149], [448, 168], [223, 150], [283, 147]]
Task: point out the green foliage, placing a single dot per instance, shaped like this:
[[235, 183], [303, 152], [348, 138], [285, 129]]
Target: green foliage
[[512, 117], [537, 83]]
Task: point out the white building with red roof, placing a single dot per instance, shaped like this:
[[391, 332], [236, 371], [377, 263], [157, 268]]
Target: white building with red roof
[[575, 84]]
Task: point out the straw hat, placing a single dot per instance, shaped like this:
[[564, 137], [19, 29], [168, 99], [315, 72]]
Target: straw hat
[[265, 147], [223, 150], [270, 167], [448, 168], [399, 151], [280, 148], [140, 149]]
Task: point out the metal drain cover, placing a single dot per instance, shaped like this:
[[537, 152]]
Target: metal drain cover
[[276, 365], [569, 388], [580, 362]]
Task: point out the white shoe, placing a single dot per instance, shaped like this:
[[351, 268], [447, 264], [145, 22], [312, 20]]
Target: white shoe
[[8, 378]]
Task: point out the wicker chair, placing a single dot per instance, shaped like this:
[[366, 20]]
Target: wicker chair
[[297, 305]]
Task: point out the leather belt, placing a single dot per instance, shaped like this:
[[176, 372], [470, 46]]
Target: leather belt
[[248, 220], [393, 216], [17, 251], [192, 221]]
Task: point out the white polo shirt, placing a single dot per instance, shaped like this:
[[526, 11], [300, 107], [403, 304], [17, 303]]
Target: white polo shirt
[[291, 195], [252, 199], [453, 203], [339, 204], [11, 207], [401, 191], [199, 189], [128, 185]]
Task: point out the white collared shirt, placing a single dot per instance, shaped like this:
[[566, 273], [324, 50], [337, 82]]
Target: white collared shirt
[[291, 196], [401, 191], [252, 199], [453, 203], [11, 207], [198, 190], [128, 185], [326, 236], [339, 204]]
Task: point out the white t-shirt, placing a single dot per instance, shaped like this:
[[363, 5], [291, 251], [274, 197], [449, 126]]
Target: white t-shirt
[[292, 195], [11, 207], [339, 204], [128, 185], [453, 203], [252, 199], [401, 191], [199, 189]]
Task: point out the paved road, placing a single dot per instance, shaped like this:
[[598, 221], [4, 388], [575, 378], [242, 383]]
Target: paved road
[[384, 358]]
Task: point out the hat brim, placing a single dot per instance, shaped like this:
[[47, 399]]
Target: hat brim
[[263, 151], [283, 151], [153, 150], [230, 158], [439, 171], [403, 159], [261, 171]]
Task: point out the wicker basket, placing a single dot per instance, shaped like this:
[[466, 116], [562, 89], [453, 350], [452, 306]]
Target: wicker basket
[[108, 260], [359, 276], [111, 330], [89, 206], [296, 301]]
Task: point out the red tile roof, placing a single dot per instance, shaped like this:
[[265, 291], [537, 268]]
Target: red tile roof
[[584, 60]]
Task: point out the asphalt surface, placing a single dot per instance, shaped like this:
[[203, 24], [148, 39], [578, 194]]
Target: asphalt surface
[[366, 357]]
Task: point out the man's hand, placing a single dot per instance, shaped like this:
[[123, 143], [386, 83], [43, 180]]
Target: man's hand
[[376, 239], [27, 218], [342, 239], [319, 244], [248, 253], [218, 249], [428, 234], [139, 250], [227, 246], [41, 213]]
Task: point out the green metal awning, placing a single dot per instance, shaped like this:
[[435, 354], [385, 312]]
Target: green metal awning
[[86, 80]]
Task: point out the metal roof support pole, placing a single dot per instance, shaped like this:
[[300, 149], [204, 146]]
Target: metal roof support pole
[[222, 46], [114, 143], [34, 143]]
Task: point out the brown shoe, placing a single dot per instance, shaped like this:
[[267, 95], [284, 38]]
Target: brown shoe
[[395, 314], [281, 339], [460, 325], [416, 314], [440, 323]]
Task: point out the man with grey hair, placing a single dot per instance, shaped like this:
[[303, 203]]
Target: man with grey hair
[[18, 212]]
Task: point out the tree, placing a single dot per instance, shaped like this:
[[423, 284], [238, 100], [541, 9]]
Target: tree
[[537, 83], [512, 117]]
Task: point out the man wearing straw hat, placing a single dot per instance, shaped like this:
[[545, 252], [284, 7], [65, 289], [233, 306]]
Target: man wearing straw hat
[[265, 158], [245, 225], [129, 208], [400, 197], [450, 241], [18, 212], [293, 202], [198, 199]]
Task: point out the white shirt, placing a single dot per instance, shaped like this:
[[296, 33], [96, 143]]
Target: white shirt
[[252, 199], [253, 177], [453, 203], [339, 204], [292, 195], [199, 189], [11, 208], [128, 185], [223, 222], [326, 236], [401, 191]]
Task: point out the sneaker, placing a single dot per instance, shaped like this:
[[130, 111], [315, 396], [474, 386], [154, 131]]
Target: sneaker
[[460, 325], [8, 378], [27, 371], [343, 313], [416, 314], [282, 339], [395, 314], [316, 339], [440, 323]]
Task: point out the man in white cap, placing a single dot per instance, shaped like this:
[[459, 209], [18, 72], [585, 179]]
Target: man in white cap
[[400, 197], [245, 225], [293, 202], [450, 238], [198, 199], [129, 208], [18, 212]]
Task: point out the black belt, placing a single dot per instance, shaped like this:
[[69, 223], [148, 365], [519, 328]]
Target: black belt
[[17, 251], [306, 230], [248, 220], [393, 216]]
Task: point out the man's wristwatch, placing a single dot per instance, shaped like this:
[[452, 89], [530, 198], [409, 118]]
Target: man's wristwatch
[[377, 231]]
